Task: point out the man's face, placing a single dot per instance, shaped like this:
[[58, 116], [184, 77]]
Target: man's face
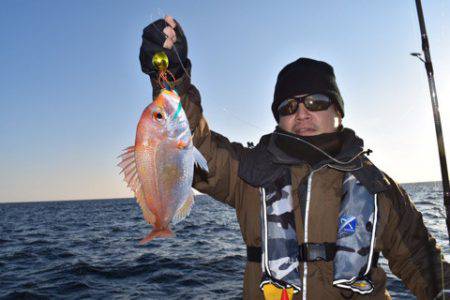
[[308, 123]]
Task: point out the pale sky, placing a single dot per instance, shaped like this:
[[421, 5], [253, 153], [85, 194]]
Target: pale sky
[[71, 88]]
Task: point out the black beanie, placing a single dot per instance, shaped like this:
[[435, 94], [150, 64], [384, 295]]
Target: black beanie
[[306, 76]]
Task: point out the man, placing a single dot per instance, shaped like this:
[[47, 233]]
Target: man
[[313, 210]]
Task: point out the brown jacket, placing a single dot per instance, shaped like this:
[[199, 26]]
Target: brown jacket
[[401, 234]]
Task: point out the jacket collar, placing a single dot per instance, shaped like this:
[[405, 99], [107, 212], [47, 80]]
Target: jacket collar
[[348, 158], [266, 162]]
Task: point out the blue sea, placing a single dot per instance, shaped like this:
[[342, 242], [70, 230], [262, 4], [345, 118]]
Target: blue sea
[[89, 249]]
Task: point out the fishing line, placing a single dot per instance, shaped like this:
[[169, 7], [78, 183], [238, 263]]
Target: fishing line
[[181, 63], [242, 120]]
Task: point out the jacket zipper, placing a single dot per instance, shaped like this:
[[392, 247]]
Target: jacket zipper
[[265, 260], [305, 239]]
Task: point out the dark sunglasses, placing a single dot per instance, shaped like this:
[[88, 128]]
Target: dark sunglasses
[[313, 102]]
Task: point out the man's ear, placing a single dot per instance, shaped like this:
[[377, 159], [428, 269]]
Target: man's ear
[[339, 115]]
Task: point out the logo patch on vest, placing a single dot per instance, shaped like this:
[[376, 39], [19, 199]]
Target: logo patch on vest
[[347, 225]]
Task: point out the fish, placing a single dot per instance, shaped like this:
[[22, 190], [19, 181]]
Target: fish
[[159, 168]]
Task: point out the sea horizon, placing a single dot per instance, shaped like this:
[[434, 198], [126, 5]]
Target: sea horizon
[[122, 198]]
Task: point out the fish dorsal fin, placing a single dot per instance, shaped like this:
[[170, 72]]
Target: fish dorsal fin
[[131, 177], [200, 160], [184, 209]]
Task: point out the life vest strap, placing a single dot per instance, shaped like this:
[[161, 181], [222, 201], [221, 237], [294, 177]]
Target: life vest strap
[[307, 252], [315, 252]]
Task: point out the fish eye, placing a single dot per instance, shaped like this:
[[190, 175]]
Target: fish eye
[[158, 115]]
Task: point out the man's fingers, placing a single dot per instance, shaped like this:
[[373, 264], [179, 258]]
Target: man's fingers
[[170, 21], [170, 33], [171, 37], [168, 44]]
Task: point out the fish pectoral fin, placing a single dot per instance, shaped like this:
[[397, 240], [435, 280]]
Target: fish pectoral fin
[[184, 209], [128, 166], [200, 160]]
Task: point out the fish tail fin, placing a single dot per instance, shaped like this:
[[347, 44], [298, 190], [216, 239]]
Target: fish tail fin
[[165, 232]]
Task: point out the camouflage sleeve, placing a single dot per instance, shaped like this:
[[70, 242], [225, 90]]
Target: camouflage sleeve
[[222, 181], [411, 251]]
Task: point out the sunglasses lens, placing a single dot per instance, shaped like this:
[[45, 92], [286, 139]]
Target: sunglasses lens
[[317, 102], [288, 107], [314, 102]]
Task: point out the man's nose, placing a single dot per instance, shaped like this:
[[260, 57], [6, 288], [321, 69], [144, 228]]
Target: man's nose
[[302, 113]]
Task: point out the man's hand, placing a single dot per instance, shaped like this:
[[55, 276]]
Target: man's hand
[[163, 35]]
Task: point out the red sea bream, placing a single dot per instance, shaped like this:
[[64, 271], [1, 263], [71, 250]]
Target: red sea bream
[[159, 167]]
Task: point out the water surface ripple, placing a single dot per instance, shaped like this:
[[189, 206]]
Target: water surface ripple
[[89, 249]]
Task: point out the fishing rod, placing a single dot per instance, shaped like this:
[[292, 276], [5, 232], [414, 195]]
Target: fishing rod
[[436, 114]]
